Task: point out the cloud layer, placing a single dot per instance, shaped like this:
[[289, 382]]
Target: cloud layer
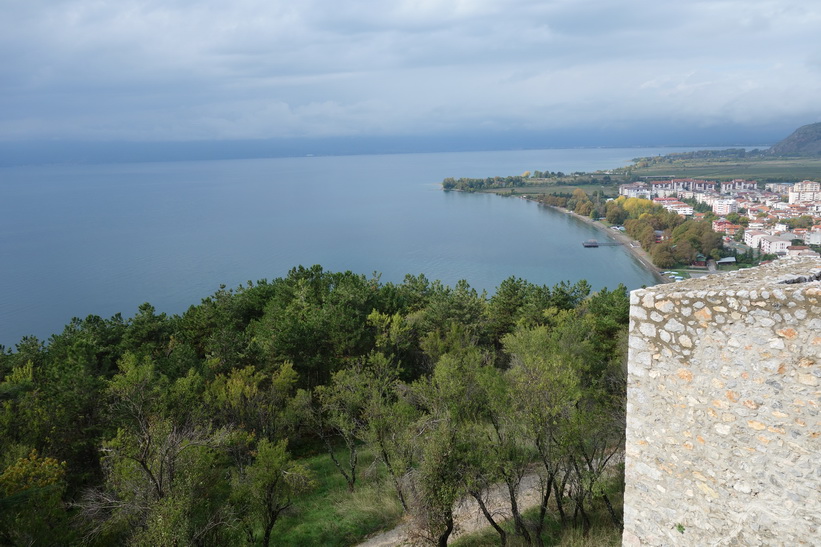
[[202, 70]]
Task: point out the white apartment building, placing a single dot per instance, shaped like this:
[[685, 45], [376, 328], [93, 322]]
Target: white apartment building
[[737, 185], [635, 190], [683, 209], [724, 207], [774, 245], [752, 238], [778, 187], [706, 198], [807, 191]]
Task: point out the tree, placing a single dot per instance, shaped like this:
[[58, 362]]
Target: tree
[[437, 480], [338, 412], [548, 384], [662, 255], [254, 401], [164, 482], [584, 208], [615, 213], [318, 322], [31, 509], [264, 489]]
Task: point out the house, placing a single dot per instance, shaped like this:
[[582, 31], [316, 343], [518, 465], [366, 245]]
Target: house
[[800, 250], [724, 226]]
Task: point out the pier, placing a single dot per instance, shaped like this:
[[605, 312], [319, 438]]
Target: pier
[[593, 243]]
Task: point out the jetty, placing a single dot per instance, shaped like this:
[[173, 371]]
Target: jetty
[[594, 243]]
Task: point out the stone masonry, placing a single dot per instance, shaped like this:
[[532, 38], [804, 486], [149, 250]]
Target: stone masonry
[[724, 395]]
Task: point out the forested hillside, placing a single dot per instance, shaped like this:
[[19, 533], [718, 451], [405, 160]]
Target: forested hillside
[[195, 429]]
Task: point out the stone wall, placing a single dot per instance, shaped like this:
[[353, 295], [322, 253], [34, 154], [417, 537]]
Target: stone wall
[[724, 394]]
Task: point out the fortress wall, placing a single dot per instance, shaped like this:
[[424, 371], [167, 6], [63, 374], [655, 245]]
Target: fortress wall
[[724, 395]]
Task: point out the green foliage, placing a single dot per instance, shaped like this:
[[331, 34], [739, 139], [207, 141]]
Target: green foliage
[[804, 221], [471, 185], [31, 509], [181, 429], [268, 486], [680, 241]]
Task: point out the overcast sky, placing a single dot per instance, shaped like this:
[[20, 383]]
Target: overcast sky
[[246, 69]]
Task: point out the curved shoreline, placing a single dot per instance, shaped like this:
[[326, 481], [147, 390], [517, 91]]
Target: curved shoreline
[[619, 236]]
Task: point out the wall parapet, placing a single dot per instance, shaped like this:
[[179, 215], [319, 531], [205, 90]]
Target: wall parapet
[[724, 396]]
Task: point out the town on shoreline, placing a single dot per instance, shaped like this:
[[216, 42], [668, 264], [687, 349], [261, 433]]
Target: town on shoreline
[[679, 227]]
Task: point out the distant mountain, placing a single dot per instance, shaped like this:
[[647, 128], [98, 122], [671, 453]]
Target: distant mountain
[[805, 141]]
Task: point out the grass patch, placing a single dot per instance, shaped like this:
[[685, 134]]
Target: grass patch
[[330, 515]]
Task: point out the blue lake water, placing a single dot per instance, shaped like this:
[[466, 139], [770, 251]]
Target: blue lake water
[[101, 239]]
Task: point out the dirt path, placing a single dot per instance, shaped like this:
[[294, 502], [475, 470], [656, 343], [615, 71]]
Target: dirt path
[[468, 517]]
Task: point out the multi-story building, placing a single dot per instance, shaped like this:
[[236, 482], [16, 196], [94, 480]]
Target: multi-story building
[[683, 209], [635, 190], [779, 187], [774, 245], [673, 187], [707, 198], [697, 185], [725, 206], [737, 185], [805, 192], [752, 238], [672, 204]]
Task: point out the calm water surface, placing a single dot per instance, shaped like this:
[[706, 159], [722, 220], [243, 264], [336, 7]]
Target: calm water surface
[[100, 239]]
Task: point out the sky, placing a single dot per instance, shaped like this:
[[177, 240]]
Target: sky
[[150, 71]]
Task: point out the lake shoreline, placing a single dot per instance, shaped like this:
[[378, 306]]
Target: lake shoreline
[[632, 246]]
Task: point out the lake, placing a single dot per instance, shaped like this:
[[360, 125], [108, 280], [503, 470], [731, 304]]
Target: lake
[[101, 239]]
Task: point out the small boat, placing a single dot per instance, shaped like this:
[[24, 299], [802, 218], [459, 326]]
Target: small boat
[[591, 243]]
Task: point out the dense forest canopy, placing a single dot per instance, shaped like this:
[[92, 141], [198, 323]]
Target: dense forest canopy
[[190, 429]]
